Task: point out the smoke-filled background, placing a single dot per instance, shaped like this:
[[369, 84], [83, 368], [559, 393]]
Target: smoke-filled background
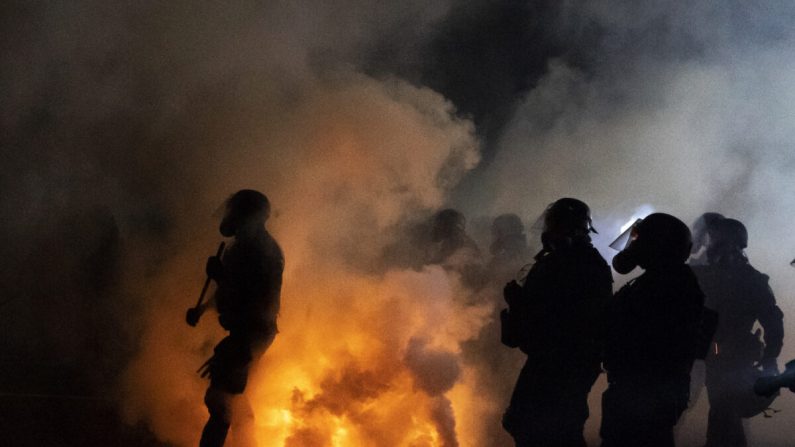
[[126, 124]]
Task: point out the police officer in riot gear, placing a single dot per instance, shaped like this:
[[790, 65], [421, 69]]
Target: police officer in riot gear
[[447, 237], [508, 247], [247, 299], [555, 318], [741, 296], [702, 227], [652, 332]]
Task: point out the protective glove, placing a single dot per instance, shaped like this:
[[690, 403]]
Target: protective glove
[[214, 268], [192, 316]]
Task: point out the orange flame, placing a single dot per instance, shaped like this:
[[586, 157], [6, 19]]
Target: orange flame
[[341, 377], [363, 358]]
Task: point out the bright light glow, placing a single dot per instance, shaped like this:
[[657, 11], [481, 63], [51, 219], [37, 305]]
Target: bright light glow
[[340, 436], [640, 213]]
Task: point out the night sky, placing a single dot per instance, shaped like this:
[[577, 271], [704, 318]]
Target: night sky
[[124, 126]]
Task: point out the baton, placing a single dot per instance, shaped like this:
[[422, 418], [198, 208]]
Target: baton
[[207, 281]]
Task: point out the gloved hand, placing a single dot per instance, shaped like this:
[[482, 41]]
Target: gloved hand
[[192, 316], [214, 268], [512, 294]]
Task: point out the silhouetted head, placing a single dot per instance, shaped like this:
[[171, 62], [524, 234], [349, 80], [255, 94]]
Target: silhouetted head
[[728, 239], [506, 225], [661, 240], [566, 220], [448, 224], [702, 228], [245, 210], [507, 235]]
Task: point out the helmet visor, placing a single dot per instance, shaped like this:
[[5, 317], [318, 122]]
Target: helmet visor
[[626, 237]]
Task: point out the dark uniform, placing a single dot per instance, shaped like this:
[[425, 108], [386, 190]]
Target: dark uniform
[[741, 296], [555, 318], [247, 299], [652, 328], [653, 331]]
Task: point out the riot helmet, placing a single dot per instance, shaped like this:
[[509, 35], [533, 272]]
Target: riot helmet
[[661, 239], [569, 217], [728, 240], [702, 228], [731, 233], [246, 208], [506, 225], [507, 234], [448, 224]]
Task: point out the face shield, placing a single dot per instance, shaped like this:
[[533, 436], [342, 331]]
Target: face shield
[[626, 237]]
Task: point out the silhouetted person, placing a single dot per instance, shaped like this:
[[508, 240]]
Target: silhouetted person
[[509, 247], [441, 240], [555, 318], [249, 282], [652, 337], [484, 354], [702, 227], [741, 296], [447, 236], [449, 246]]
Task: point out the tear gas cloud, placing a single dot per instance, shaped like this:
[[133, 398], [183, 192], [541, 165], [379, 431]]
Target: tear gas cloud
[[684, 110], [125, 126]]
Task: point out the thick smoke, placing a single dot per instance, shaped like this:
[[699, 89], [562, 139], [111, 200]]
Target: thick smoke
[[125, 126], [358, 156], [683, 108]]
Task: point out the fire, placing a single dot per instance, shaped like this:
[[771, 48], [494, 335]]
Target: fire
[[368, 363], [368, 354]]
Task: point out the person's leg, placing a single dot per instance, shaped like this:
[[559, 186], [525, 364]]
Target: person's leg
[[660, 434], [228, 371], [636, 416], [724, 426], [217, 427], [242, 432], [614, 427]]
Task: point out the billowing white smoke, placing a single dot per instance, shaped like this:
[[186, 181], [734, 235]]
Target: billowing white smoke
[[686, 108]]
